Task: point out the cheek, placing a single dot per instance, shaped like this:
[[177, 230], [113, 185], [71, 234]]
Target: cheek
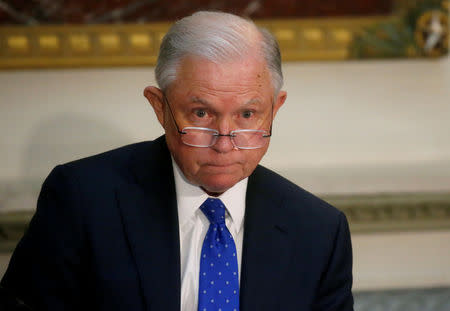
[[252, 158], [186, 157]]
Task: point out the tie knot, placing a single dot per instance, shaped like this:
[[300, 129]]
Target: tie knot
[[214, 210]]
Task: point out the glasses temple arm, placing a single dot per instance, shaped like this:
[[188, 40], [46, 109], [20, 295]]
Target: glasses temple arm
[[271, 123], [171, 113]]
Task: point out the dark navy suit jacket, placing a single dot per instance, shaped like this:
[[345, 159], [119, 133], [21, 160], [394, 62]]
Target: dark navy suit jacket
[[105, 237]]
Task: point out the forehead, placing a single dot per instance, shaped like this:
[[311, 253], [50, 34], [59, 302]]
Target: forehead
[[245, 79]]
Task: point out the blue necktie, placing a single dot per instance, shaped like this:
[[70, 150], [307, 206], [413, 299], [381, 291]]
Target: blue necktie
[[219, 279]]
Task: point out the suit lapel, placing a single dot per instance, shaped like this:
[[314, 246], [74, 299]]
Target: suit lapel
[[266, 250], [150, 221]]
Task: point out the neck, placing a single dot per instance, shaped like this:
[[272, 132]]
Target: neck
[[213, 194]]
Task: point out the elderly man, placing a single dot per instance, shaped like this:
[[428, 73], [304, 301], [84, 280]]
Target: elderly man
[[189, 221]]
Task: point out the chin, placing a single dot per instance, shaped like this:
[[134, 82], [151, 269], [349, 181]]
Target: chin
[[219, 184]]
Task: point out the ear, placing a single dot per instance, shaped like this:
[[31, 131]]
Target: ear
[[156, 98], [279, 102]]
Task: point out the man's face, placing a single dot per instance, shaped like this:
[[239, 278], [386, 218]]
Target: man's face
[[225, 97]]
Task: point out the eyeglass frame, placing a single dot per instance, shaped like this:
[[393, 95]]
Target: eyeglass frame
[[216, 132]]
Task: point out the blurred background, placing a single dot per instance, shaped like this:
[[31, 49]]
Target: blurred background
[[365, 126]]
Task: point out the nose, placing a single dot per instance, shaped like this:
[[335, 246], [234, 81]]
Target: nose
[[223, 143]]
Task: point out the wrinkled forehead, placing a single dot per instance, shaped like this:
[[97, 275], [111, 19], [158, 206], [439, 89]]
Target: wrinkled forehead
[[230, 78]]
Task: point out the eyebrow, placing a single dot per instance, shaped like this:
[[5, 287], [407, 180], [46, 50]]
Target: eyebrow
[[196, 99]]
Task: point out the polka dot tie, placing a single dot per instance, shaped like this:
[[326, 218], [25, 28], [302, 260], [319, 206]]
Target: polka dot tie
[[219, 280]]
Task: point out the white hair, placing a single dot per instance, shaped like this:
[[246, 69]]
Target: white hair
[[218, 37]]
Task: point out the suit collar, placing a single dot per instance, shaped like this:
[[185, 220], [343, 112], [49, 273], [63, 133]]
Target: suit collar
[[153, 158], [266, 249], [149, 214]]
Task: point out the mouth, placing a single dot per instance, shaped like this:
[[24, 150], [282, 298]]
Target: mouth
[[219, 165]]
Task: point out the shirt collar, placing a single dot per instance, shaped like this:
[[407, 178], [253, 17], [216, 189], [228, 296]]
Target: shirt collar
[[190, 197]]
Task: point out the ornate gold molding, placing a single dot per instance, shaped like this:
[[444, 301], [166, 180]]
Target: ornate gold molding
[[395, 212], [416, 28], [76, 46], [366, 213], [129, 45]]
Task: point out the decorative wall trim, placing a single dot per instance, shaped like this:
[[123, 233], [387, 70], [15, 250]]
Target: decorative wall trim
[[416, 29], [79, 46], [395, 212], [366, 213], [411, 299], [134, 44]]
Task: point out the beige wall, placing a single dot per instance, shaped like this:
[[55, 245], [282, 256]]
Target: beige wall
[[373, 126], [401, 260], [347, 126]]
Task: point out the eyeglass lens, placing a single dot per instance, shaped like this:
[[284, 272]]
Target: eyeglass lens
[[247, 139]]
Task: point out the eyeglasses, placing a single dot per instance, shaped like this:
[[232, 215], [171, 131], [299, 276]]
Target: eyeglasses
[[205, 137]]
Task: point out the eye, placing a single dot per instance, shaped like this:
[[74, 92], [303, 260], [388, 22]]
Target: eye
[[247, 114], [200, 113]]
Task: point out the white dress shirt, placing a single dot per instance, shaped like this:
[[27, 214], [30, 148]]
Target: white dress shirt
[[194, 225]]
